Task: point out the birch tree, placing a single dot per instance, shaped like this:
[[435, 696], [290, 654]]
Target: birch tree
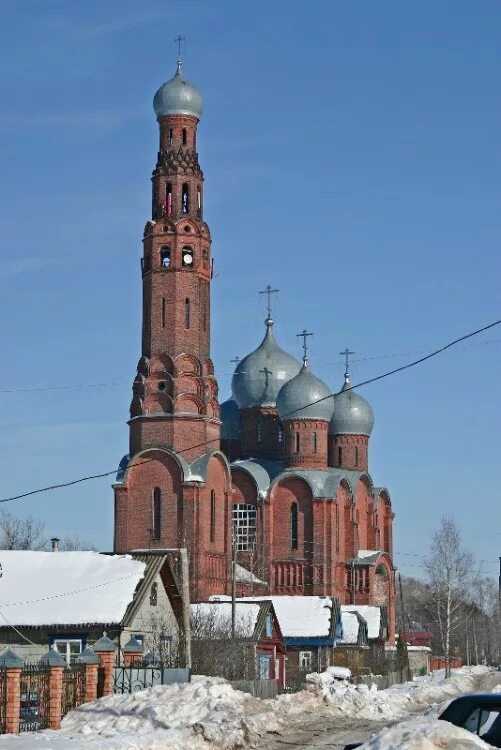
[[449, 568]]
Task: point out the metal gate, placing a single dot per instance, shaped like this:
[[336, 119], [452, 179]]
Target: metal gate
[[73, 687], [130, 679], [34, 708]]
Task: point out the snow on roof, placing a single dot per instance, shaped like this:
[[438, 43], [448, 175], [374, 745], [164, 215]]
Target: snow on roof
[[301, 616], [351, 627], [242, 575], [371, 615], [367, 552], [66, 588], [219, 614]]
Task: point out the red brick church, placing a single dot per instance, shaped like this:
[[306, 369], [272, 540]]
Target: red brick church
[[281, 467]]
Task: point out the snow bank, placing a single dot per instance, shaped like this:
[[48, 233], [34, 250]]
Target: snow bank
[[425, 735]]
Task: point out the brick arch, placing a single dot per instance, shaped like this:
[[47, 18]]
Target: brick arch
[[217, 481], [186, 363], [158, 228], [243, 486], [188, 403], [287, 491], [213, 409], [160, 365], [208, 367], [179, 228], [185, 384], [157, 403], [136, 406]]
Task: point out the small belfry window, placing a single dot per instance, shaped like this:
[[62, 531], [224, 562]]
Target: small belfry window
[[187, 313], [170, 137], [157, 513], [187, 257], [168, 198], [185, 198], [314, 442], [165, 256], [294, 525], [297, 442], [212, 515]]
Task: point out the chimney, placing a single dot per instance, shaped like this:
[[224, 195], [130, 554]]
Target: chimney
[[55, 543]]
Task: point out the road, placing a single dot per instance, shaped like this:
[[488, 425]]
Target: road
[[333, 733]]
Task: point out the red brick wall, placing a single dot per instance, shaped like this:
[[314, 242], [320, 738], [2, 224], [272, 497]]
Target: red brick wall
[[308, 456], [349, 444]]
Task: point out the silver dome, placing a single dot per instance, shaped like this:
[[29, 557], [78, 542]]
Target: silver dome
[[178, 97], [305, 397], [230, 420], [260, 375], [352, 413]]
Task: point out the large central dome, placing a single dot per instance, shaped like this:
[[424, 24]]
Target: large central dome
[[261, 374]]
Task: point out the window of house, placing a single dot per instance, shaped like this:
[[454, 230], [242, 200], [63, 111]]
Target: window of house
[[154, 594], [339, 456], [157, 513], [297, 442], [165, 256], [294, 535], [187, 313], [268, 626], [139, 638], [305, 659], [70, 648], [244, 526], [212, 515], [185, 198]]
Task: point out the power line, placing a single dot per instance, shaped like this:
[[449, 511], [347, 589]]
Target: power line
[[387, 374]]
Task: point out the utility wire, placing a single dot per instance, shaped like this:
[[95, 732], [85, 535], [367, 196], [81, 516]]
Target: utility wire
[[387, 374]]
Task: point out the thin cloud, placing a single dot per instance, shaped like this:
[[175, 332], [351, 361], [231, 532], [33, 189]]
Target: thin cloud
[[17, 266], [104, 119]]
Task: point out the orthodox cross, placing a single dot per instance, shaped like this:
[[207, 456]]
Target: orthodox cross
[[346, 354], [269, 291], [179, 39], [304, 335]]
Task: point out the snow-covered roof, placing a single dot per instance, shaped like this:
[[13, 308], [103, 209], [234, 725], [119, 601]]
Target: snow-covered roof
[[351, 626], [219, 613], [66, 588], [242, 575], [301, 616], [371, 615]]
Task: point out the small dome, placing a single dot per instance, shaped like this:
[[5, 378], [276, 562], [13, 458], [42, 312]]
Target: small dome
[[260, 375], [305, 397], [178, 97], [230, 419], [352, 413]]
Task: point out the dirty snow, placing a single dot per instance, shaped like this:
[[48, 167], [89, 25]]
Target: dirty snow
[[209, 713]]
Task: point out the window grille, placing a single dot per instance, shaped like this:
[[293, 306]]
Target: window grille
[[244, 526]]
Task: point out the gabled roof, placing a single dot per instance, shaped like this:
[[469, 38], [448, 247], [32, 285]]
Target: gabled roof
[[249, 616], [66, 588], [303, 616], [372, 615], [354, 630]]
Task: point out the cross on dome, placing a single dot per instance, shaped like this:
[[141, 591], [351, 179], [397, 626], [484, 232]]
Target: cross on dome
[[304, 334], [269, 291], [346, 354], [179, 39]]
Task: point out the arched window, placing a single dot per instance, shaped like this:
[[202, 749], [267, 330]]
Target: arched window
[[212, 515], [280, 434], [337, 527], [165, 256], [259, 430], [157, 513], [199, 198], [187, 313], [154, 594], [297, 442], [187, 256], [356, 456], [314, 442], [294, 537], [185, 198], [339, 456], [162, 313], [170, 137], [168, 199], [184, 136]]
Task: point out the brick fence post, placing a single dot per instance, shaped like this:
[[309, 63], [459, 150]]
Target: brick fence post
[[133, 653], [56, 663], [13, 665], [91, 662], [105, 649]]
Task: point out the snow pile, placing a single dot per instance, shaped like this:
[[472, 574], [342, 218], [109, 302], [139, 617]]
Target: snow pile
[[425, 735]]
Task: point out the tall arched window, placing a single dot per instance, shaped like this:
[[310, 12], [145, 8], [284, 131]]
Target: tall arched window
[[165, 256], [339, 456], [168, 198], [162, 313], [280, 434], [259, 430], [184, 136], [212, 515], [187, 313], [185, 198], [356, 456], [314, 442], [294, 536], [297, 442], [170, 137], [157, 514]]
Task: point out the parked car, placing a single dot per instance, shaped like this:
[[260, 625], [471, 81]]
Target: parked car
[[479, 713]]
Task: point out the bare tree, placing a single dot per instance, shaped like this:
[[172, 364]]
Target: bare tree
[[214, 650], [73, 542], [449, 569], [21, 533]]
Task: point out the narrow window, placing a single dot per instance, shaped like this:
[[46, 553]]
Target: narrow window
[[170, 137], [259, 430], [356, 456], [280, 434], [199, 198], [337, 527], [294, 539], [268, 627], [157, 513], [314, 442], [185, 198], [184, 136], [154, 594], [297, 442], [339, 456], [169, 199], [165, 256], [305, 660], [162, 313], [244, 526], [212, 515], [187, 257], [187, 313]]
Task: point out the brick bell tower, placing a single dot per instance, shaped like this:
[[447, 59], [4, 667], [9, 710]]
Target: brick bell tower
[[173, 488]]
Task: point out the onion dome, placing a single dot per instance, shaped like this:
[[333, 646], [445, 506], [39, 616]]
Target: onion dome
[[230, 420], [178, 97], [259, 376], [305, 397], [353, 415]]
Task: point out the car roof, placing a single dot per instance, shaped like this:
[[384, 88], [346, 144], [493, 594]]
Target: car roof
[[459, 708]]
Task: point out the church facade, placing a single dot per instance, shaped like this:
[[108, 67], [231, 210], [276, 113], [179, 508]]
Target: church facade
[[274, 483]]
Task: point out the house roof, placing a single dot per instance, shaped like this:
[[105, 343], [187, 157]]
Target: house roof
[[351, 626], [302, 616], [371, 615], [219, 612], [66, 588]]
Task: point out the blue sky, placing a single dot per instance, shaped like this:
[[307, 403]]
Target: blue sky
[[352, 159]]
